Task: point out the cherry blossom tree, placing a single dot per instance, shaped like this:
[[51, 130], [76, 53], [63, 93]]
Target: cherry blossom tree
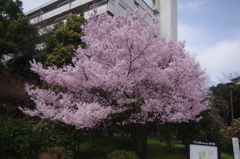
[[127, 76]]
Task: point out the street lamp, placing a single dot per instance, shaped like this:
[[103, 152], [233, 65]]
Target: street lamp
[[230, 86]]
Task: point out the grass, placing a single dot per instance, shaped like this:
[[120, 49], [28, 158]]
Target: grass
[[225, 155], [160, 150], [99, 148]]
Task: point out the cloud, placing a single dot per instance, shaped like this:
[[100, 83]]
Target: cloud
[[223, 55], [215, 56], [191, 5], [192, 35]]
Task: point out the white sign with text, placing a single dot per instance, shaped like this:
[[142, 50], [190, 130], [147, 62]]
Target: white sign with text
[[203, 152]]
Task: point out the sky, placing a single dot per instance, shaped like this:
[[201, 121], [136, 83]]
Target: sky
[[211, 29]]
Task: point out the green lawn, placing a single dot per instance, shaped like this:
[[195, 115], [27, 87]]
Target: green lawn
[[100, 147], [226, 155]]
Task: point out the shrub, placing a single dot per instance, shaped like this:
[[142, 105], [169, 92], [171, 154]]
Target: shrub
[[122, 154], [207, 129], [230, 131], [27, 139], [17, 139], [58, 134]]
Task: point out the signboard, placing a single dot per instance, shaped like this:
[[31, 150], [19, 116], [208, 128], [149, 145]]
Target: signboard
[[203, 150], [235, 143]]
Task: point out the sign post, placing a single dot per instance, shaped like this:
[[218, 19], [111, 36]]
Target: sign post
[[236, 152], [203, 150]]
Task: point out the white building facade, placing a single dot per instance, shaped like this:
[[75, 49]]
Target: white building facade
[[163, 11]]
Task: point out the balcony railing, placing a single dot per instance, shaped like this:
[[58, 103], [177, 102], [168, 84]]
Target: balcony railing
[[102, 8], [58, 10], [46, 11]]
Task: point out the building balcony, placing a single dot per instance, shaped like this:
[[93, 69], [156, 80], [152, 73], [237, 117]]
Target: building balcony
[[60, 10], [103, 7]]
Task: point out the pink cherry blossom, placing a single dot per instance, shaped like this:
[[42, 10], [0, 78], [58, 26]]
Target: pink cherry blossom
[[126, 67]]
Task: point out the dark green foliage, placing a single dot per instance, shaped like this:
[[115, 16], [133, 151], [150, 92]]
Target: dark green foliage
[[58, 134], [26, 139], [228, 132], [70, 33], [207, 129], [18, 140], [18, 38], [236, 101], [16, 28], [221, 100], [122, 154], [21, 38], [96, 148], [10, 10], [100, 148], [65, 39]]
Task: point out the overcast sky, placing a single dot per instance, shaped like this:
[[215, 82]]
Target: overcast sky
[[211, 29]]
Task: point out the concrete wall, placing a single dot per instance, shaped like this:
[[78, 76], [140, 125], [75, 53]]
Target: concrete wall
[[166, 13], [168, 18]]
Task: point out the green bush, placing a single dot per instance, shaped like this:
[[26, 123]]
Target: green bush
[[207, 129], [58, 134], [122, 154], [18, 140], [228, 132], [25, 139]]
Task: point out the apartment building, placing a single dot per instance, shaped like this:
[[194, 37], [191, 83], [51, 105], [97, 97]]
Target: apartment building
[[163, 11]]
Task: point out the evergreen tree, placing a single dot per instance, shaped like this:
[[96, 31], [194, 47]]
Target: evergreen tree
[[18, 38], [66, 38]]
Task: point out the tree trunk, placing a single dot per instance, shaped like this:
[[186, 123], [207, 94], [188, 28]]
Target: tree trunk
[[137, 135], [143, 142], [139, 139]]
